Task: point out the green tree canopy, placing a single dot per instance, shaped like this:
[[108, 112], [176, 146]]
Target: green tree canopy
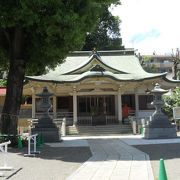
[[172, 101], [106, 34], [36, 34]]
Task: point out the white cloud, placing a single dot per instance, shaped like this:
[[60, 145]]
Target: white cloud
[[150, 25]]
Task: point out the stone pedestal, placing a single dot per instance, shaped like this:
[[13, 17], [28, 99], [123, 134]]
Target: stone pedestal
[[159, 125], [48, 129], [159, 133]]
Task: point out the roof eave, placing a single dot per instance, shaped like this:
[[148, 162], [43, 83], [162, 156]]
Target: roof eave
[[96, 75]]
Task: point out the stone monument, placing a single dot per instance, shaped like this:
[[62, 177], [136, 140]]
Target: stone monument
[[45, 125], [159, 125]]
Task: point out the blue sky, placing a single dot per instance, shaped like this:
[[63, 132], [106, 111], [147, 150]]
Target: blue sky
[[150, 25]]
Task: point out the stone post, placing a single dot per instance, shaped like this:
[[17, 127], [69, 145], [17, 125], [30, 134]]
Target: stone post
[[63, 128]]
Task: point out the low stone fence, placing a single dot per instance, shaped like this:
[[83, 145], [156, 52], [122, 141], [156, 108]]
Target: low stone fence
[[138, 124]]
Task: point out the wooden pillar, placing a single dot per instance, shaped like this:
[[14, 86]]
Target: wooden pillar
[[119, 103], [33, 105], [136, 105], [116, 105], [74, 107], [54, 106]]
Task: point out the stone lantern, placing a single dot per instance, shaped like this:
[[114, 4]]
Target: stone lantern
[[45, 106], [45, 125], [159, 125]]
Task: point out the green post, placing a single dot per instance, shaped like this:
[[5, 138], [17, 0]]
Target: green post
[[41, 139], [20, 145], [142, 131], [38, 141], [162, 170]]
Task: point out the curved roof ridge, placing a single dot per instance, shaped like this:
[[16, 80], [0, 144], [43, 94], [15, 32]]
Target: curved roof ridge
[[91, 58]]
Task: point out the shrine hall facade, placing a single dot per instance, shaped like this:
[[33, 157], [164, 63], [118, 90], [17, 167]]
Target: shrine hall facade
[[90, 88]]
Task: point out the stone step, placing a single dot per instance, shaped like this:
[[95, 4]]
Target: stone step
[[105, 126], [72, 130], [99, 130], [104, 130], [104, 133]]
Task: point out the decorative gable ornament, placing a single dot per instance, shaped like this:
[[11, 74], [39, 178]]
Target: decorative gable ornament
[[97, 68]]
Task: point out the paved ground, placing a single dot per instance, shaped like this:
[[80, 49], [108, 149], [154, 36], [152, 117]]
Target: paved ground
[[171, 155], [113, 159], [52, 164], [109, 158]]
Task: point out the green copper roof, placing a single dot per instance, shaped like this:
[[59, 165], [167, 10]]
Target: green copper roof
[[120, 66]]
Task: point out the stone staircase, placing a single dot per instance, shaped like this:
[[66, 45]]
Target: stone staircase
[[72, 130], [99, 130]]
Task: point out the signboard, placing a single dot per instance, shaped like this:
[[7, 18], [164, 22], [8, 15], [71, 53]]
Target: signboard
[[176, 112]]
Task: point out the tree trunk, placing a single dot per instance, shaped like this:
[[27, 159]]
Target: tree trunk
[[175, 70], [12, 102], [175, 64], [11, 108]]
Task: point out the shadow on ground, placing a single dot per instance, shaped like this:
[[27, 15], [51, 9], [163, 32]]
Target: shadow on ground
[[158, 151], [171, 155], [66, 154], [81, 154]]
